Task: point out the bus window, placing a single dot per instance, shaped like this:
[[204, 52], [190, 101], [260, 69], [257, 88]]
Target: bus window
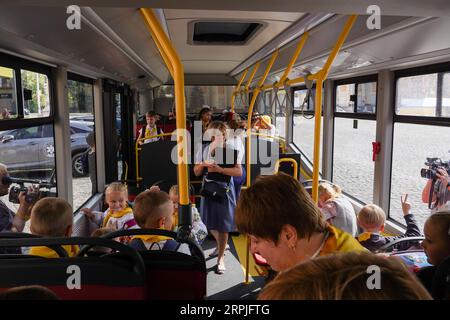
[[416, 95], [412, 144], [36, 94], [81, 106], [303, 127], [353, 168]]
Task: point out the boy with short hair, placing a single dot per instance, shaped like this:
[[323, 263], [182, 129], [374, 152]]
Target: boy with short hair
[[371, 220], [150, 129], [154, 210], [52, 217]]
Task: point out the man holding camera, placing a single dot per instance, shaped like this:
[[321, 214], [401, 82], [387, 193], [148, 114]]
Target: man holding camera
[[8, 220], [441, 190]]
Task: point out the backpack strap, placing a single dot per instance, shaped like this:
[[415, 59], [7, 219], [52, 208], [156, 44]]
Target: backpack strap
[[171, 245], [137, 244]]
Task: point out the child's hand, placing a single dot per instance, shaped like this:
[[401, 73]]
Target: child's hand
[[406, 206], [88, 213], [154, 189]]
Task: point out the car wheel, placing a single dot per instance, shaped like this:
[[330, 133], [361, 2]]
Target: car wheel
[[77, 166]]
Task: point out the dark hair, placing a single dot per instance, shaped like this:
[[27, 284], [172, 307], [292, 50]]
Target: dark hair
[[28, 293], [150, 114], [202, 111]]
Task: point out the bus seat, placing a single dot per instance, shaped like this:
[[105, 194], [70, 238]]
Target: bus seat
[[169, 274], [119, 275]]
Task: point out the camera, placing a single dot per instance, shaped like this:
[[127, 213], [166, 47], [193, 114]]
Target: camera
[[41, 189], [433, 164]]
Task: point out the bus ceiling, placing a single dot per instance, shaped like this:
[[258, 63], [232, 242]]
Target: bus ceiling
[[412, 8]]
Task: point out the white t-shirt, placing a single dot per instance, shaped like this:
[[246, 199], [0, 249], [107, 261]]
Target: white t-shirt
[[147, 131], [237, 144]]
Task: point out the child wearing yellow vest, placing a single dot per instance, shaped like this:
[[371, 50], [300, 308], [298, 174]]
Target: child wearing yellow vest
[[52, 217], [119, 215], [147, 134], [153, 209]]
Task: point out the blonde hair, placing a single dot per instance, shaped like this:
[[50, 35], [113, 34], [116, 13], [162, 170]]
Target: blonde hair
[[2, 169], [51, 217], [371, 217], [148, 207], [116, 186], [345, 276], [216, 125], [331, 191], [174, 190]]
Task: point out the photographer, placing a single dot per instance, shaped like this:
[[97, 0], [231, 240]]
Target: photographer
[[441, 194], [8, 220]]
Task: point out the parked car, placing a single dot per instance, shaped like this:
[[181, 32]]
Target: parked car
[[32, 149]]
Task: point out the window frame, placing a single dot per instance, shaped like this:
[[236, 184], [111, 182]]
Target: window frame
[[352, 115], [357, 81], [18, 64], [409, 119], [440, 69]]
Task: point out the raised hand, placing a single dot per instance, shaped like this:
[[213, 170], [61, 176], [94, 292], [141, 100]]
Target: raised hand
[[406, 206]]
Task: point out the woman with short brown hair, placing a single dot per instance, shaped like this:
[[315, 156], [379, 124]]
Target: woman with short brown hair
[[285, 226]]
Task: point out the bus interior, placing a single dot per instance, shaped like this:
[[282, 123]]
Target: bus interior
[[380, 71]]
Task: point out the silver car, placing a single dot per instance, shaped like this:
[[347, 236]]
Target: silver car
[[28, 150]]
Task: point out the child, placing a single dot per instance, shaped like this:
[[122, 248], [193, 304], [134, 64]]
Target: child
[[437, 248], [154, 210], [199, 231], [371, 219], [52, 217], [98, 233], [119, 215], [337, 209], [150, 129]]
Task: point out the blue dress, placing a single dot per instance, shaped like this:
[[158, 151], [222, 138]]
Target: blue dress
[[219, 215]]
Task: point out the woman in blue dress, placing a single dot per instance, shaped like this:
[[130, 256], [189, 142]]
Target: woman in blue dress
[[214, 163]]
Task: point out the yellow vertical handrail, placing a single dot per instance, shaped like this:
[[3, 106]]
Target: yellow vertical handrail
[[294, 58], [320, 77], [237, 90], [178, 77], [250, 112], [249, 133], [158, 44]]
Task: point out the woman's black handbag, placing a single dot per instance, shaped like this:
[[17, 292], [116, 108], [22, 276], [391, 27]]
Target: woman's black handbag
[[214, 191]]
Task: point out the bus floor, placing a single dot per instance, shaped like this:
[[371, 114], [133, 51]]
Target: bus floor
[[231, 285]]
